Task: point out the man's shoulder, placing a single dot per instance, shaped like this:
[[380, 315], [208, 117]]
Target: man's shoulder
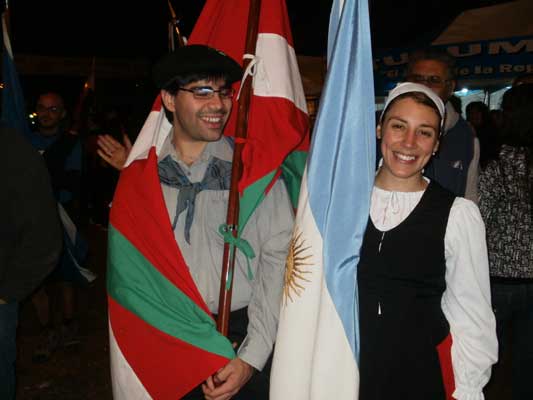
[[463, 125], [17, 147]]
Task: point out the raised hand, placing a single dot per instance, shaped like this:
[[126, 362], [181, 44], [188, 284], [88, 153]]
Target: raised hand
[[112, 151]]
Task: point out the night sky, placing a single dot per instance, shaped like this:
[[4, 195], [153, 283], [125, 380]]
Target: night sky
[[138, 31], [139, 28]]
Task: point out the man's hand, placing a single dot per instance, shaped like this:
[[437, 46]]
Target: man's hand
[[112, 151], [228, 380]]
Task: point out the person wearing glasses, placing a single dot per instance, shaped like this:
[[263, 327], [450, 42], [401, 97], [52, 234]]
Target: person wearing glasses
[[456, 163], [62, 153], [194, 166]]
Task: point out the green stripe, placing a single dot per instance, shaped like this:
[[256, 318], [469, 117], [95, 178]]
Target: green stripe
[[292, 172], [252, 197], [139, 287]]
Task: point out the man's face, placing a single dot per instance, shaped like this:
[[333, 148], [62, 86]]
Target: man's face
[[199, 119], [50, 112], [433, 74]]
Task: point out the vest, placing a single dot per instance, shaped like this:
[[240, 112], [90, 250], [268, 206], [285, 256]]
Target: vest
[[401, 281]]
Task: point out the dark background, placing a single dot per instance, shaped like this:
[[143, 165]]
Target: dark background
[[138, 30]]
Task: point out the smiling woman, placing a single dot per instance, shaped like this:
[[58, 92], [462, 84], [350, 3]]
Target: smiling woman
[[409, 133], [426, 326]]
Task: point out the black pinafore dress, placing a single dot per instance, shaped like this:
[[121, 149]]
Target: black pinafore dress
[[401, 279]]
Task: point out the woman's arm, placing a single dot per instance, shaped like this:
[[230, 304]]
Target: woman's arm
[[466, 302]]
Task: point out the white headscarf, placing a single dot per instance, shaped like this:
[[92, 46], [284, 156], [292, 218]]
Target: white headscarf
[[406, 87]]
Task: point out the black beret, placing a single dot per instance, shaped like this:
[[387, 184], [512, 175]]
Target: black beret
[[195, 59]]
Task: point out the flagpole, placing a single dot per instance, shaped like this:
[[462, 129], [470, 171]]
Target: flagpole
[[173, 27], [78, 116], [7, 17], [228, 262]]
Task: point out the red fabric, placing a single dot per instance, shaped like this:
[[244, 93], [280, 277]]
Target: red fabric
[[275, 130], [445, 358], [140, 214], [168, 367], [275, 126]]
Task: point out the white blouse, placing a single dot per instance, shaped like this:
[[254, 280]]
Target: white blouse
[[466, 301]]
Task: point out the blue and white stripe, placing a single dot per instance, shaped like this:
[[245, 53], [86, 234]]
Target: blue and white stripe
[[318, 338]]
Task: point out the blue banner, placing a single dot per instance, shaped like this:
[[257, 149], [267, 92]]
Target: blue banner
[[483, 64]]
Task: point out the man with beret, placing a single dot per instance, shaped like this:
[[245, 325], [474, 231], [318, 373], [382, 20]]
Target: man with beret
[[194, 165]]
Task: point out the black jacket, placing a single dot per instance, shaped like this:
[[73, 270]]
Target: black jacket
[[30, 231]]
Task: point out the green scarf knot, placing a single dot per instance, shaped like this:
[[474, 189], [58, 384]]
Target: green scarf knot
[[239, 243]]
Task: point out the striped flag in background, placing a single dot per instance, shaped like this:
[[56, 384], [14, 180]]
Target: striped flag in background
[[317, 345], [163, 340]]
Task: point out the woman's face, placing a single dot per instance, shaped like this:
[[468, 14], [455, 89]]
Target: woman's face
[[409, 134]]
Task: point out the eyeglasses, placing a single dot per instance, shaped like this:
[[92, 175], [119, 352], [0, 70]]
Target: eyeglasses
[[53, 109], [207, 92], [428, 80]]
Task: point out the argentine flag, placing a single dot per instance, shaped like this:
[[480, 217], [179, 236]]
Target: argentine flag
[[318, 337]]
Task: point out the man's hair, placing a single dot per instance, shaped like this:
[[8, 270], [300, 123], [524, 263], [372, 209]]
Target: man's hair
[[478, 106], [182, 80], [433, 55], [57, 95]]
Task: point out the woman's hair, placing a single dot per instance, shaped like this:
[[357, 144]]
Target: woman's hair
[[418, 97], [517, 107]]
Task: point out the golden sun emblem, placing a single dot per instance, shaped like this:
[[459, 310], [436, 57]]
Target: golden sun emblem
[[294, 271]]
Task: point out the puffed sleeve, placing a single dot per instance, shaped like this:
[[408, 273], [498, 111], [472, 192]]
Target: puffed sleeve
[[275, 219], [466, 302]]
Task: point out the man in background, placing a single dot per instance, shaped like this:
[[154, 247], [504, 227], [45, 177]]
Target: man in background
[[62, 153], [456, 162]]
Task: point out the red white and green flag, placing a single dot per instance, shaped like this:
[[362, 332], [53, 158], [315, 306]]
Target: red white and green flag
[[163, 339]]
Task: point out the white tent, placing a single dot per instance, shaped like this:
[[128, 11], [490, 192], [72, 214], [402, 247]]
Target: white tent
[[512, 19], [507, 27], [492, 45]]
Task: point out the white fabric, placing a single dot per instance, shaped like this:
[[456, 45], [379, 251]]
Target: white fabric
[[268, 231], [126, 384], [313, 359], [406, 87], [466, 301], [278, 62]]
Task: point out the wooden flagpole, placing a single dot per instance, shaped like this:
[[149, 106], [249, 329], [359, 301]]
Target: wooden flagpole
[[173, 28], [228, 263], [79, 114], [7, 17]]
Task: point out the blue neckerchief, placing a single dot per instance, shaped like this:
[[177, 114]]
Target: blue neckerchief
[[217, 177]]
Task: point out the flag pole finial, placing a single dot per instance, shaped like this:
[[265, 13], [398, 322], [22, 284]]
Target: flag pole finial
[[173, 29]]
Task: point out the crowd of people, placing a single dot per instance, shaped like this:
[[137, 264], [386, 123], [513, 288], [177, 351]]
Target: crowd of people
[[446, 259]]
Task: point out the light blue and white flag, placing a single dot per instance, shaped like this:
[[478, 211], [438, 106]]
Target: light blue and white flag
[[13, 105], [75, 249], [317, 347]]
